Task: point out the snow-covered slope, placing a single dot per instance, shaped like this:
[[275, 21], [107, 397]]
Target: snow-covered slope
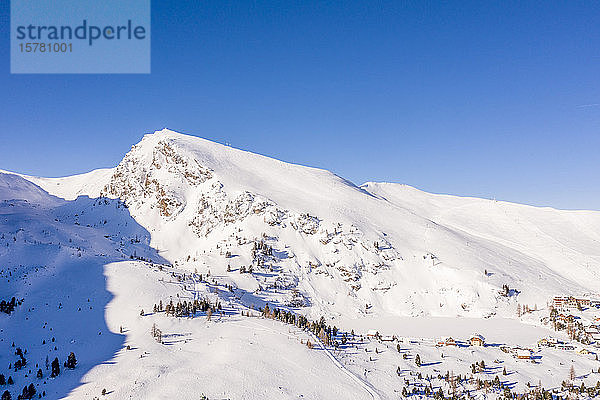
[[70, 187], [52, 257], [565, 242], [14, 187]]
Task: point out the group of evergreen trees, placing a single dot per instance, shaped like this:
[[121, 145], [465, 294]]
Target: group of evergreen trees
[[9, 306], [3, 380], [478, 367], [324, 332], [427, 391], [244, 270], [261, 251], [22, 361], [30, 391], [591, 391], [187, 309]]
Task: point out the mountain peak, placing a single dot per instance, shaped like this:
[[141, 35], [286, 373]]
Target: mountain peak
[[169, 132]]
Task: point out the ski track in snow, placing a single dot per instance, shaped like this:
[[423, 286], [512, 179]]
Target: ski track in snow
[[367, 386], [335, 361]]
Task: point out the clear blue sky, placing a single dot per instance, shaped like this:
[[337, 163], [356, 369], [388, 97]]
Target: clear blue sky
[[492, 99]]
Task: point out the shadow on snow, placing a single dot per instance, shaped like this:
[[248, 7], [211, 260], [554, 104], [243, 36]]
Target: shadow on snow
[[68, 300]]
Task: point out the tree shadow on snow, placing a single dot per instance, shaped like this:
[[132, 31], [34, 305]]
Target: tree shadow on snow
[[430, 363]]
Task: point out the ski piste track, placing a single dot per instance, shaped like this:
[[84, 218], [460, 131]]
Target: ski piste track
[[362, 383], [366, 386]]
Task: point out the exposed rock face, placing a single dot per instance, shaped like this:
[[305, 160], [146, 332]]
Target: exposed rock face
[[164, 179], [159, 179]]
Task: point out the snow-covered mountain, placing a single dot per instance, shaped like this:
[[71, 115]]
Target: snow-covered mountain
[[295, 237], [343, 249]]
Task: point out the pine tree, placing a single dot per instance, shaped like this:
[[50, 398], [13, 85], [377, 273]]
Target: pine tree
[[2, 380], [418, 360], [40, 374], [6, 395], [31, 391], [71, 361], [452, 380], [55, 368], [497, 381]]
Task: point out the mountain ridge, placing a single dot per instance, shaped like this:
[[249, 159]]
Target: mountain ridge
[[439, 245], [49, 183]]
